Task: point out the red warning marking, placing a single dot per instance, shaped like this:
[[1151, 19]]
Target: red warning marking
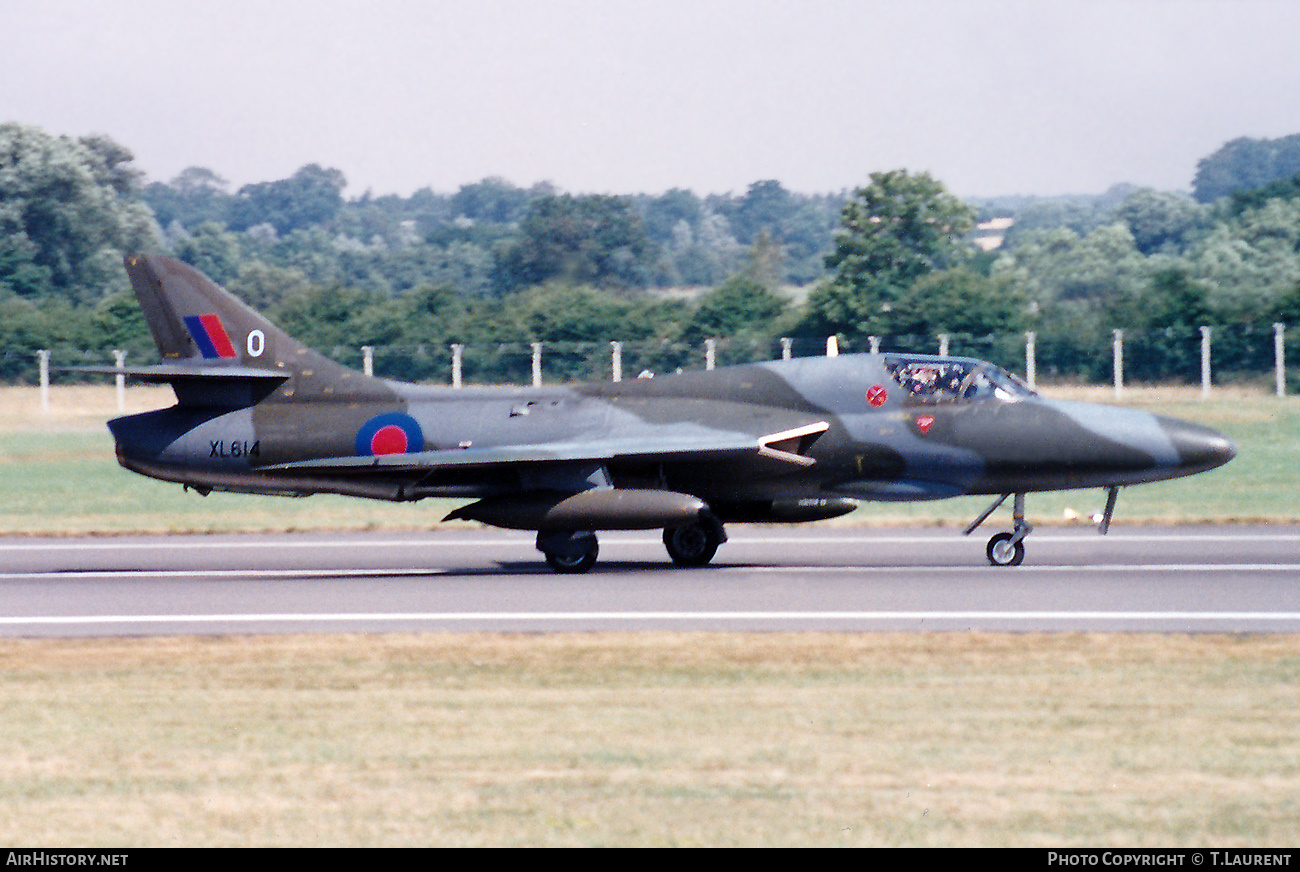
[[388, 440], [924, 423], [876, 395]]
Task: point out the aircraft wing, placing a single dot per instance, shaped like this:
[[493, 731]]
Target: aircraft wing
[[785, 445]]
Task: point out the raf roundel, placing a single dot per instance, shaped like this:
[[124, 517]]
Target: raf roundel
[[393, 433]]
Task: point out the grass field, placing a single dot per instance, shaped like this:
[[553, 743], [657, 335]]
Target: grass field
[[631, 739]]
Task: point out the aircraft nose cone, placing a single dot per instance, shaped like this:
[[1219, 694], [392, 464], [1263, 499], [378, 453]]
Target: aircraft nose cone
[[1199, 448]]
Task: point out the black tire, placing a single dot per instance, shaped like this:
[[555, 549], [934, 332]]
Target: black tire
[[574, 563], [568, 552], [692, 544], [1003, 551]]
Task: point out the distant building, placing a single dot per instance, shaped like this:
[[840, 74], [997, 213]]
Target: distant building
[[989, 235]]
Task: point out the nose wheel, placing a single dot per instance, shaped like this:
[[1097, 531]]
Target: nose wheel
[[1006, 549]]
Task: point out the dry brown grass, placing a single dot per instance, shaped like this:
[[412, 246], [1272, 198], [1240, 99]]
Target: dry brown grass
[[652, 739], [75, 407]]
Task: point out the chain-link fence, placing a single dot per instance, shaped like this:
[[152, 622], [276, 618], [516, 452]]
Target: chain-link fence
[[1250, 352]]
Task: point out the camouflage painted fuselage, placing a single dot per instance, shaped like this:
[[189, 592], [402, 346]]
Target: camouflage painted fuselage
[[785, 441], [696, 433]]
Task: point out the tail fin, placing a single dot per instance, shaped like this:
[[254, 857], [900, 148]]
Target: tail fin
[[196, 321], [205, 335]]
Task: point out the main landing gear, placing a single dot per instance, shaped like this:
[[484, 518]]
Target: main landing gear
[[690, 544], [695, 543], [569, 552], [1008, 549]]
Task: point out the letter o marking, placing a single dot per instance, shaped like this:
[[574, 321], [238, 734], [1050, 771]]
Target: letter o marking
[[256, 343]]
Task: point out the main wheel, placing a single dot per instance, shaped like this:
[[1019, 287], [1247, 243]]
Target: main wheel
[[1005, 550], [692, 544], [574, 555]]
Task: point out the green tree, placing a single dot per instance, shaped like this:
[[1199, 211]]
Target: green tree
[[492, 200], [1246, 163], [197, 195], [1254, 198], [1056, 267], [662, 214], [20, 274], [596, 240], [766, 207], [328, 317], [311, 196], [265, 286], [117, 322], [212, 250], [68, 212], [895, 230], [740, 305], [1250, 259], [706, 253], [958, 301], [807, 237], [1162, 222]]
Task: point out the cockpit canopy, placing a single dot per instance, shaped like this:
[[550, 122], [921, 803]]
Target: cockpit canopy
[[955, 380]]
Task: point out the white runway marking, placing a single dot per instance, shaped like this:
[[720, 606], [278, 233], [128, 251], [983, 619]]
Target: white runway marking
[[82, 574], [534, 617], [190, 543], [873, 569]]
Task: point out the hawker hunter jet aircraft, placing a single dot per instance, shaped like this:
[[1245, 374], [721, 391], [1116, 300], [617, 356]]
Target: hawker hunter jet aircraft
[[796, 440]]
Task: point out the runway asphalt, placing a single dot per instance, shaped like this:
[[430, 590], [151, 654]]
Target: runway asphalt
[[1237, 579]]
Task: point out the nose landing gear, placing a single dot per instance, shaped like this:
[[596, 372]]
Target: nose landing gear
[[1008, 549]]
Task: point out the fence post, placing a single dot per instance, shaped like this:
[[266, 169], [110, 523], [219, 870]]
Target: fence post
[[456, 351], [832, 346], [943, 344], [1279, 358], [1117, 357], [710, 353], [44, 357], [537, 364], [786, 345], [368, 359], [1031, 359], [1205, 363], [119, 360], [875, 344], [616, 360]]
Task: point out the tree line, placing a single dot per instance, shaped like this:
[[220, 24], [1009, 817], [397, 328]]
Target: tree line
[[492, 264]]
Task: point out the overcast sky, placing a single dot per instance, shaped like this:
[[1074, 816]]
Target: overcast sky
[[992, 97]]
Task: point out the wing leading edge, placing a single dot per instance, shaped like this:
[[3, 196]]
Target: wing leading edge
[[786, 445]]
